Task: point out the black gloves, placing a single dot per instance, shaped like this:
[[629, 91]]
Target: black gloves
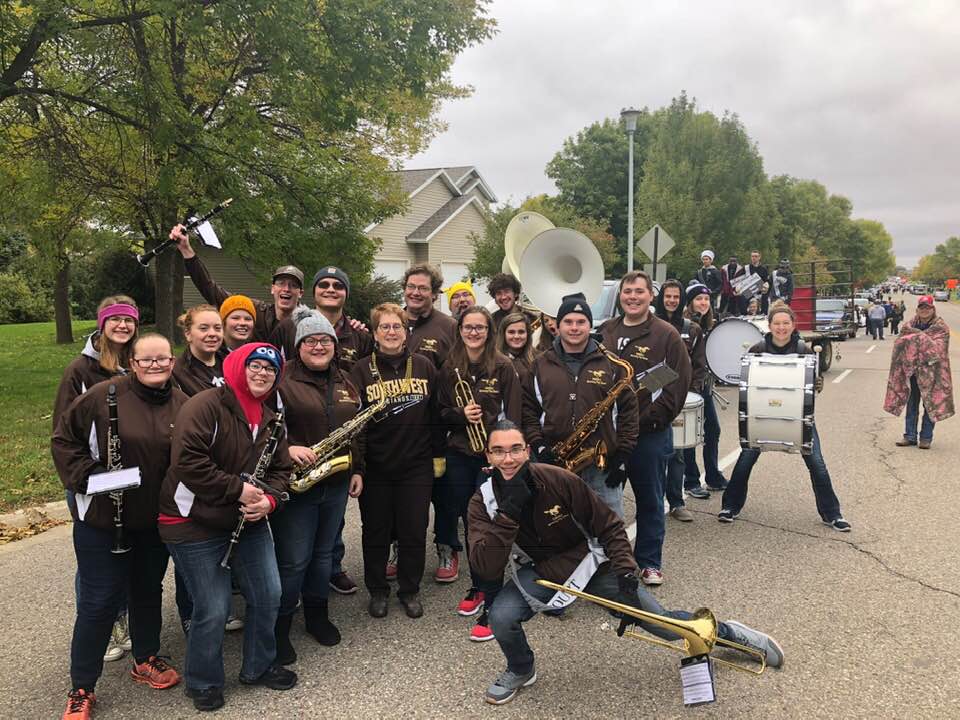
[[617, 471], [514, 495], [545, 454], [627, 585]]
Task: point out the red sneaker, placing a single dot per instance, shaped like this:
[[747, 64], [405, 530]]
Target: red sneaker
[[481, 631], [79, 705], [448, 567], [651, 576], [156, 673], [392, 562], [471, 604]]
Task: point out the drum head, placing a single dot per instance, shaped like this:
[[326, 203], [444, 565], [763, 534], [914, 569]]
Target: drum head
[[726, 344]]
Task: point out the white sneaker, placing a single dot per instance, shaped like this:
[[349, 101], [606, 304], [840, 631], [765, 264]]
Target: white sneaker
[[120, 634], [234, 622], [114, 652]]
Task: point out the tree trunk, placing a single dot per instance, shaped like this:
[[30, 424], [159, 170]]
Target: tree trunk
[[61, 302], [168, 289]]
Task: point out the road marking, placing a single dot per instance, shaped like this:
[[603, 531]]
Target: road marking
[[843, 375], [871, 348], [725, 462]]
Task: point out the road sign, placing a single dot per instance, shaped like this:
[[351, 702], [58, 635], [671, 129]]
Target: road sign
[[658, 276], [656, 243]]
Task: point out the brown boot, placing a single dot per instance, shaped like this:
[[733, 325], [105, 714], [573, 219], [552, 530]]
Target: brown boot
[[906, 442], [924, 444]]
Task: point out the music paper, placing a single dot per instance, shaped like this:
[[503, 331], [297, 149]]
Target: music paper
[[105, 482]]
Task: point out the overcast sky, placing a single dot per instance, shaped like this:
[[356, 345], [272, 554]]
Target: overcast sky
[[862, 95]]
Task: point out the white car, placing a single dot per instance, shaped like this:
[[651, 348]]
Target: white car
[[941, 295]]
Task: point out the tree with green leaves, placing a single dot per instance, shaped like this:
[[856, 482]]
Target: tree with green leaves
[[940, 265], [296, 109]]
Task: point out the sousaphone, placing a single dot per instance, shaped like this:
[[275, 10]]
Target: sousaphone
[[560, 262], [522, 228]]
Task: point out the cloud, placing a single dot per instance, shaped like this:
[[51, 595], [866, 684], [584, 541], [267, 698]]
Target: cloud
[[862, 96]]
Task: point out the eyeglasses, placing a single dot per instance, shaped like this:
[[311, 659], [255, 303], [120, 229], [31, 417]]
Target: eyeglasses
[[327, 284], [516, 452], [423, 289], [256, 368], [161, 362], [121, 320], [387, 327], [474, 329], [312, 342]]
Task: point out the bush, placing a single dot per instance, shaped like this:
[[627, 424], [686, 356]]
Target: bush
[[20, 303], [364, 298], [112, 271]]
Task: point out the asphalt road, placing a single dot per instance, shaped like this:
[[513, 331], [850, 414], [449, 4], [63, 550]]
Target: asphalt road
[[867, 619]]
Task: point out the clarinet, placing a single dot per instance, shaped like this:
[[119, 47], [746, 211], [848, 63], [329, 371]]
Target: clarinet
[[145, 258], [114, 463], [258, 480]]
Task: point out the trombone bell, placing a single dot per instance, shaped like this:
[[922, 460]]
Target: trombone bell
[[699, 634]]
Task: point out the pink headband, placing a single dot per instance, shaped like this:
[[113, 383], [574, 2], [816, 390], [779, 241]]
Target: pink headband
[[114, 310]]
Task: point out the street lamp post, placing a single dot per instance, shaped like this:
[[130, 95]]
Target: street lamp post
[[629, 117]]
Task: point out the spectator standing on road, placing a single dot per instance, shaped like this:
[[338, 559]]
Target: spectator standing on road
[[896, 317], [920, 369], [877, 317]]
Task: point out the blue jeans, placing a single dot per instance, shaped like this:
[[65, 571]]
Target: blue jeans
[[451, 497], [711, 449], [647, 472], [304, 535], [596, 480], [913, 412], [254, 567], [339, 550], [511, 610], [828, 505], [106, 583], [675, 479]]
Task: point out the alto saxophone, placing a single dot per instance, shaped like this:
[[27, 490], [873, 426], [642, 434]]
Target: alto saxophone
[[328, 463], [570, 450]]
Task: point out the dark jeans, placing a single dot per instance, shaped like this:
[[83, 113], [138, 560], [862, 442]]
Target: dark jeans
[[395, 503], [828, 505], [647, 471], [876, 329], [107, 581], [913, 415], [339, 550], [304, 535], [675, 480], [452, 495], [254, 567], [711, 449], [511, 610]]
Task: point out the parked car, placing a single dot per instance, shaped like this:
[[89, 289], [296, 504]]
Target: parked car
[[941, 295], [834, 315]]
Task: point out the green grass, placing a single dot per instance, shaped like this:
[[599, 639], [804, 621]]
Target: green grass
[[31, 364]]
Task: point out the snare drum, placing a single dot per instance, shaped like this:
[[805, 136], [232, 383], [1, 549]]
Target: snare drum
[[726, 344], [688, 425], [776, 402]]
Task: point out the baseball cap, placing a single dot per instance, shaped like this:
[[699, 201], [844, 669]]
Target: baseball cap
[[290, 271], [925, 300]]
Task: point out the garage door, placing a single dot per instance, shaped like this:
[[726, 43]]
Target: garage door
[[393, 269]]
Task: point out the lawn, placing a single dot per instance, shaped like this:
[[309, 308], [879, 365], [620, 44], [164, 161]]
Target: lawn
[[31, 364]]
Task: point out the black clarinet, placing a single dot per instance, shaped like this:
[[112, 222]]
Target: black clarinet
[[114, 463], [149, 255], [257, 479]]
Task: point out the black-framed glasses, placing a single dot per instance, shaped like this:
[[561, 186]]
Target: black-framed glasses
[[516, 452], [160, 362], [323, 341], [258, 368], [474, 329]]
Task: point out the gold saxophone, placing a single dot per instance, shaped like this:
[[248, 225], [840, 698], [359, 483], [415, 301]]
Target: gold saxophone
[[328, 463], [570, 451]]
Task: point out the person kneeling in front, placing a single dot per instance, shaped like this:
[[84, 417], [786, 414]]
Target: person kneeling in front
[[540, 521]]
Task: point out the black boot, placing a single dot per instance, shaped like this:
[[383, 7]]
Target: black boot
[[281, 633], [317, 620]]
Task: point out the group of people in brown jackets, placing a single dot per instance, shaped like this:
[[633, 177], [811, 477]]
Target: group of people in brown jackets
[[215, 434]]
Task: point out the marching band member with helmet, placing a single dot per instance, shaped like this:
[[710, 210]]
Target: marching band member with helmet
[[218, 441], [564, 384], [551, 517], [493, 391], [515, 340], [404, 454], [783, 339], [317, 398], [239, 316], [201, 365], [700, 310], [108, 577]]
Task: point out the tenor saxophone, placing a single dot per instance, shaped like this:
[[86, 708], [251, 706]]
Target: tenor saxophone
[[328, 462], [570, 450]]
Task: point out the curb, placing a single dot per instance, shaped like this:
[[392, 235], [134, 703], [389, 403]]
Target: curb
[[55, 510]]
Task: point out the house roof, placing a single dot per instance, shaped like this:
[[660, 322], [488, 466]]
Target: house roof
[[441, 217], [456, 178]]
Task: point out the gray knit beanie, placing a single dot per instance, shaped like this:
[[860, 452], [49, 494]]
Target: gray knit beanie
[[311, 322]]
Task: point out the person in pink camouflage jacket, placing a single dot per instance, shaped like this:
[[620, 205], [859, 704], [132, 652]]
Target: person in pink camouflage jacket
[[920, 368]]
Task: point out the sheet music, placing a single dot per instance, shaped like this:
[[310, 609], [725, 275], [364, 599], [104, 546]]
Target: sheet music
[[655, 378], [696, 676], [105, 482], [209, 235]]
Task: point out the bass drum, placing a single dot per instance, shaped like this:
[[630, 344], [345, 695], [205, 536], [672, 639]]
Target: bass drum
[[726, 345], [777, 402]]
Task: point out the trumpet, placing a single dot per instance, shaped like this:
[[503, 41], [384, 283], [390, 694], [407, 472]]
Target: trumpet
[[476, 432], [699, 634]]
